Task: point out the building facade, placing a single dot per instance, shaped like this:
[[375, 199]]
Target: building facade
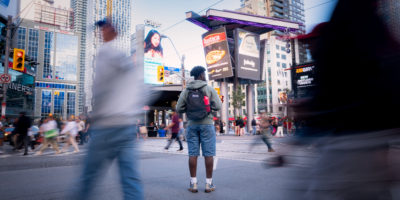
[[80, 25], [280, 55], [57, 54], [121, 18]]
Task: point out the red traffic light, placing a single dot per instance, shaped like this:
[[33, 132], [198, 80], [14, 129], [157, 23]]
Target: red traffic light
[[20, 54]]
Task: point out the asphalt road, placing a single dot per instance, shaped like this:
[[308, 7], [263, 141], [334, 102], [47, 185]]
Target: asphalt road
[[239, 173]]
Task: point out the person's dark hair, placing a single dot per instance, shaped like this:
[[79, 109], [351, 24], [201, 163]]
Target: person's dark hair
[[197, 71], [148, 44], [105, 23]]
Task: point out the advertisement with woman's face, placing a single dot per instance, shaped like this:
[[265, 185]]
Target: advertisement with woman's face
[[152, 45], [153, 57]]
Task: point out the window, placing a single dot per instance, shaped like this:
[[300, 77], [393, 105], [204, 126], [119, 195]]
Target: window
[[279, 82], [277, 47], [46, 102], [33, 44], [283, 56], [66, 57], [58, 103], [284, 65], [48, 55], [283, 48], [70, 103], [278, 55], [278, 64], [21, 38]]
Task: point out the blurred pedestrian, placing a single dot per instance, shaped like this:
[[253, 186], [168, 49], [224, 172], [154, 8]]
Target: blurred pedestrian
[[174, 126], [81, 131], [265, 132], [221, 125], [355, 145], [254, 126], [71, 130], [2, 130], [198, 101], [48, 129], [22, 126], [115, 111], [182, 132], [279, 123]]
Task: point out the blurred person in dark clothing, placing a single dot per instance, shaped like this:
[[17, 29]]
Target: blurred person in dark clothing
[[174, 126], [115, 111], [21, 128], [357, 58]]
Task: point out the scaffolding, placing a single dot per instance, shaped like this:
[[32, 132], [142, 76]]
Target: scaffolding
[[62, 18]]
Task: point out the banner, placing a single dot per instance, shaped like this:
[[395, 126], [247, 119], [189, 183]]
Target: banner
[[217, 54], [247, 50]]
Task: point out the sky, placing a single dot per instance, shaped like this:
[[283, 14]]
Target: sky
[[186, 36]]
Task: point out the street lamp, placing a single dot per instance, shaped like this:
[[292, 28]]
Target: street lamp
[[181, 58]]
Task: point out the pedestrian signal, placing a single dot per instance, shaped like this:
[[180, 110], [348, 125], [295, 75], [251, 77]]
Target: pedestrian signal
[[222, 98], [18, 60], [160, 74]]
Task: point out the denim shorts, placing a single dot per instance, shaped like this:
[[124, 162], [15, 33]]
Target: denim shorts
[[203, 135]]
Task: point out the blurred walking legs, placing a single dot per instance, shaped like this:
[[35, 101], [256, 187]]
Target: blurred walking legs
[[103, 149]]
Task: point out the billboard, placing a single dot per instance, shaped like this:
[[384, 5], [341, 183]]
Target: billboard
[[153, 56], [303, 80], [217, 54], [247, 48]]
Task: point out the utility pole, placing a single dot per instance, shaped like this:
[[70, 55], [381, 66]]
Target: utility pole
[[6, 58], [183, 71]]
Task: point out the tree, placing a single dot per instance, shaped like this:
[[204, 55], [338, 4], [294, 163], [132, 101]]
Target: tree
[[238, 100]]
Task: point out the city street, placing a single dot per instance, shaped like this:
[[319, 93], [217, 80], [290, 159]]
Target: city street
[[239, 173]]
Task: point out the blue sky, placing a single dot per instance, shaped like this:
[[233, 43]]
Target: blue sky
[[187, 36]]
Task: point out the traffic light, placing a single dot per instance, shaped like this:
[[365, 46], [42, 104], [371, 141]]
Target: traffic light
[[218, 91], [19, 59], [160, 74]]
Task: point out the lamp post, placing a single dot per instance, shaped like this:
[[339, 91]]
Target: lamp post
[[181, 58]]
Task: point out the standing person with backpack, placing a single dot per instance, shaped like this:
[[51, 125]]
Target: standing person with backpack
[[198, 100]]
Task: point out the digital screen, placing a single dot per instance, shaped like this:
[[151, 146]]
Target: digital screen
[[248, 55], [217, 54], [303, 79], [153, 56]]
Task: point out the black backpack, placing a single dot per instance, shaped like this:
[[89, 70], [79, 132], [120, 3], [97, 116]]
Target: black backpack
[[196, 108]]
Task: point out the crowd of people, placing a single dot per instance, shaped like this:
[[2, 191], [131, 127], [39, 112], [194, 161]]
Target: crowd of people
[[29, 135]]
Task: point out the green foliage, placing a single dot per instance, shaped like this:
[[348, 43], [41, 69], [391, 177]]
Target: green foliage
[[238, 98]]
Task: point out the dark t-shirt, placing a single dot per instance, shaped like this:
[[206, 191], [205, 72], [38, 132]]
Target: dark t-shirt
[[253, 122], [175, 120]]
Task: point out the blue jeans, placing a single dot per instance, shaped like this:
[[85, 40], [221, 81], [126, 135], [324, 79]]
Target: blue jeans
[[254, 129], [106, 145], [203, 135]]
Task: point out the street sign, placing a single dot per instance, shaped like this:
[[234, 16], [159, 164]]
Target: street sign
[[5, 78]]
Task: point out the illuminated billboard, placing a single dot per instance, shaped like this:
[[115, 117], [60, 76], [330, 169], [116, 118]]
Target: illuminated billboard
[[247, 55], [153, 57], [217, 54], [303, 80]]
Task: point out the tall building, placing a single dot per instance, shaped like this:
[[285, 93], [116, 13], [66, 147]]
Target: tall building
[[121, 18], [80, 25], [279, 55], [46, 32], [282, 9]]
